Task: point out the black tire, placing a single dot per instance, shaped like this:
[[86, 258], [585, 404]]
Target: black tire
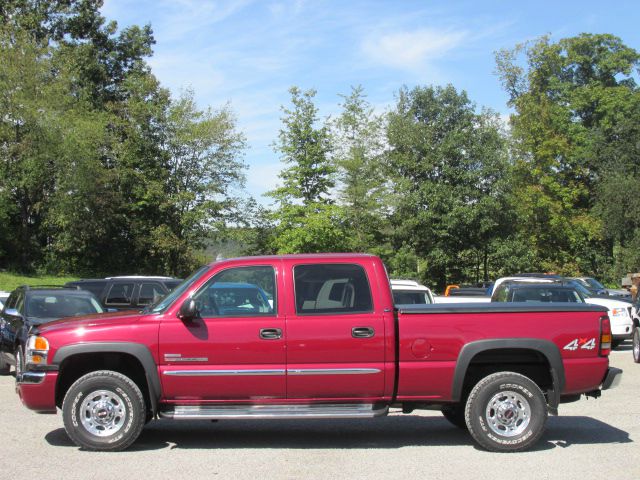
[[506, 412], [455, 415], [100, 403], [636, 344], [5, 368]]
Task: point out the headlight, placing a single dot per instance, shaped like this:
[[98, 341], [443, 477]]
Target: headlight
[[37, 350], [619, 312]]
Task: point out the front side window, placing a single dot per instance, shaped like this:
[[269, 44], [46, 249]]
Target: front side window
[[331, 288], [239, 292]]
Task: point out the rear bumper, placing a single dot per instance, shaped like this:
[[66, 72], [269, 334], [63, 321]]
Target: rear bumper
[[37, 390], [612, 378]]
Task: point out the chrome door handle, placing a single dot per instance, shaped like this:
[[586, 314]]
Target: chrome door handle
[[362, 332], [270, 333]]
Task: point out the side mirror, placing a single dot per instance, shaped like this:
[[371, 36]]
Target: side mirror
[[12, 312], [188, 310]]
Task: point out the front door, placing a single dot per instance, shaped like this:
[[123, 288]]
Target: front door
[[235, 350], [335, 338]]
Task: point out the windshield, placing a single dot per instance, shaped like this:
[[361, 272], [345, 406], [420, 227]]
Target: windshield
[[582, 289], [58, 305], [593, 283], [165, 302]]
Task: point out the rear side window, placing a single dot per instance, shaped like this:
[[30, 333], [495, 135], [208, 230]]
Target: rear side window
[[331, 288], [120, 294]]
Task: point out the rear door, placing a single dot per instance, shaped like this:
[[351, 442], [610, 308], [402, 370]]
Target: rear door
[[335, 336]]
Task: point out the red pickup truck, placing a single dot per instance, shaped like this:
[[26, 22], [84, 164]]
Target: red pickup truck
[[314, 336]]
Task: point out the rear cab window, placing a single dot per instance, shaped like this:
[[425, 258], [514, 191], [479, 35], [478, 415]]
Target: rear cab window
[[329, 288]]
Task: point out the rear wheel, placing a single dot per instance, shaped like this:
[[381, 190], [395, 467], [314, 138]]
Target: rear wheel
[[636, 344], [104, 410], [506, 412]]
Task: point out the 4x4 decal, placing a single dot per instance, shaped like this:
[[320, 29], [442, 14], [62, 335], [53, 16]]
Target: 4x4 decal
[[583, 343]]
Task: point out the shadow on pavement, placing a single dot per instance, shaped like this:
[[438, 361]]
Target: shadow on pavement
[[388, 432]]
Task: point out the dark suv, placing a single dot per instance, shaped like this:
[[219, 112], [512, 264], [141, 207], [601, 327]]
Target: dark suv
[[127, 293], [30, 306], [513, 291]]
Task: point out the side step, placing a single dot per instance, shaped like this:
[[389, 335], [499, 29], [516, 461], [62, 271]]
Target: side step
[[215, 412]]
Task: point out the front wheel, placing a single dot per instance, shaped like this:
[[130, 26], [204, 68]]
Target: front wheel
[[104, 410], [5, 368], [506, 412], [636, 344], [455, 415]]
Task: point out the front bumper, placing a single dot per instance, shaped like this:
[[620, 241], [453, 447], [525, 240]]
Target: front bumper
[[612, 378], [37, 390]]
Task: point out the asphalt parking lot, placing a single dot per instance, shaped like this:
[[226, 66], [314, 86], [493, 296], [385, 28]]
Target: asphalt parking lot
[[590, 439]]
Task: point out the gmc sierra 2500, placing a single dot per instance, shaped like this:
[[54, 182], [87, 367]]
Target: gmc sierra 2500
[[314, 336]]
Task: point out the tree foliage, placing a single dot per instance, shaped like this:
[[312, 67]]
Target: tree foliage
[[572, 99], [102, 170], [449, 162]]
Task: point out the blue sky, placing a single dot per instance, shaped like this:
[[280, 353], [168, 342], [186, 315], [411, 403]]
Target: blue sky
[[247, 53]]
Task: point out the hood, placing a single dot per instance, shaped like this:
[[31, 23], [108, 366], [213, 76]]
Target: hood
[[608, 302], [95, 320]]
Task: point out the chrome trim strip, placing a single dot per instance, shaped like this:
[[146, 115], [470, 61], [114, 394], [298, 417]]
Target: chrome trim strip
[[222, 373], [333, 371], [277, 372], [194, 359]]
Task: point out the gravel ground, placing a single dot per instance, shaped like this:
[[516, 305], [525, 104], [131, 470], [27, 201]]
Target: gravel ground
[[591, 438]]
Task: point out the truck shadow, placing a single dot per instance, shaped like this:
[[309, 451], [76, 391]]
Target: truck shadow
[[384, 433]]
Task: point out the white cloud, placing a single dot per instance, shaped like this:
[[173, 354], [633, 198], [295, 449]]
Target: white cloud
[[412, 50], [262, 178]]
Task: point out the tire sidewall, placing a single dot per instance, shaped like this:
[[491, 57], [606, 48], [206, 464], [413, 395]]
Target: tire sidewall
[[476, 412], [134, 416], [636, 344]]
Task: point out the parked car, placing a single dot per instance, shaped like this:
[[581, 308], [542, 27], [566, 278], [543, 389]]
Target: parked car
[[597, 288], [621, 312], [515, 291], [32, 306], [410, 292], [3, 298], [127, 292], [333, 347]]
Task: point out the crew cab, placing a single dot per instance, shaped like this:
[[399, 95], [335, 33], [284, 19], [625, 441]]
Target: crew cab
[[328, 344]]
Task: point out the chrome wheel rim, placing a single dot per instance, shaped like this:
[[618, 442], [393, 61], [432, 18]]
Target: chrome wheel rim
[[508, 414], [636, 344], [103, 413]]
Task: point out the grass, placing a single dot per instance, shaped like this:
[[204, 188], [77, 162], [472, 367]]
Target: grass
[[9, 281]]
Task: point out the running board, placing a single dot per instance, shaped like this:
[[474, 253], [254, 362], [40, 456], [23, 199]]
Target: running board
[[210, 412]]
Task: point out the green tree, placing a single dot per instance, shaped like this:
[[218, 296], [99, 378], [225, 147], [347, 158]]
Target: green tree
[[306, 218], [570, 98], [358, 136], [448, 164]]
